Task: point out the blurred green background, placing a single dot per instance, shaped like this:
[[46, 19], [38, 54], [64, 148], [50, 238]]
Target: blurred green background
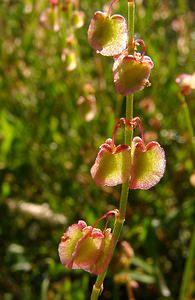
[[58, 104]]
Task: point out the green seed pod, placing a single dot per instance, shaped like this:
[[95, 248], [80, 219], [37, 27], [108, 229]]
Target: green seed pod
[[108, 35], [131, 73], [77, 19], [112, 165], [148, 164]]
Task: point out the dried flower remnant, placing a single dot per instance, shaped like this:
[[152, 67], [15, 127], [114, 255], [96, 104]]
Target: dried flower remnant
[[85, 247], [108, 35], [186, 83]]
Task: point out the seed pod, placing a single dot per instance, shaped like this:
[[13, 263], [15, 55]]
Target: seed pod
[[131, 73], [148, 164], [87, 248], [112, 165], [108, 35], [77, 19], [186, 83]]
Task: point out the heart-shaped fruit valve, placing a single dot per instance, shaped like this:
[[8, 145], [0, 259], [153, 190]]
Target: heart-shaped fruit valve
[[107, 34], [86, 247], [112, 165], [148, 162], [131, 72]]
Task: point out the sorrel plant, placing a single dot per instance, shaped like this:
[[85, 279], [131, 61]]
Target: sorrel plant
[[133, 163]]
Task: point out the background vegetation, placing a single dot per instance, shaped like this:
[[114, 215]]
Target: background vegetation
[[47, 148]]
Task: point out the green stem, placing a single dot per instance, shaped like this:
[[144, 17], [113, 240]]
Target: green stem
[[131, 21], [98, 286], [189, 268], [188, 271], [188, 123]]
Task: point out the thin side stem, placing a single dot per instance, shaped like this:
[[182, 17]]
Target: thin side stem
[[113, 2], [187, 116], [188, 123], [188, 271], [98, 286], [189, 268]]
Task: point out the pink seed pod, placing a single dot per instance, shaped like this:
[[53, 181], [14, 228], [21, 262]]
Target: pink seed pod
[[131, 73], [85, 247], [112, 165], [148, 164], [186, 83], [54, 2], [108, 35]]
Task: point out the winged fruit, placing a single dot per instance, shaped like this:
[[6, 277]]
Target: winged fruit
[[85, 247], [108, 35]]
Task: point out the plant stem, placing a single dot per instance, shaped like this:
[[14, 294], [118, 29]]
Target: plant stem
[[189, 269], [131, 17], [188, 123], [98, 286]]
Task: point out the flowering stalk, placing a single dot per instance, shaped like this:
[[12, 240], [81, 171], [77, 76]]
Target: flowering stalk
[[85, 247], [98, 286]]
